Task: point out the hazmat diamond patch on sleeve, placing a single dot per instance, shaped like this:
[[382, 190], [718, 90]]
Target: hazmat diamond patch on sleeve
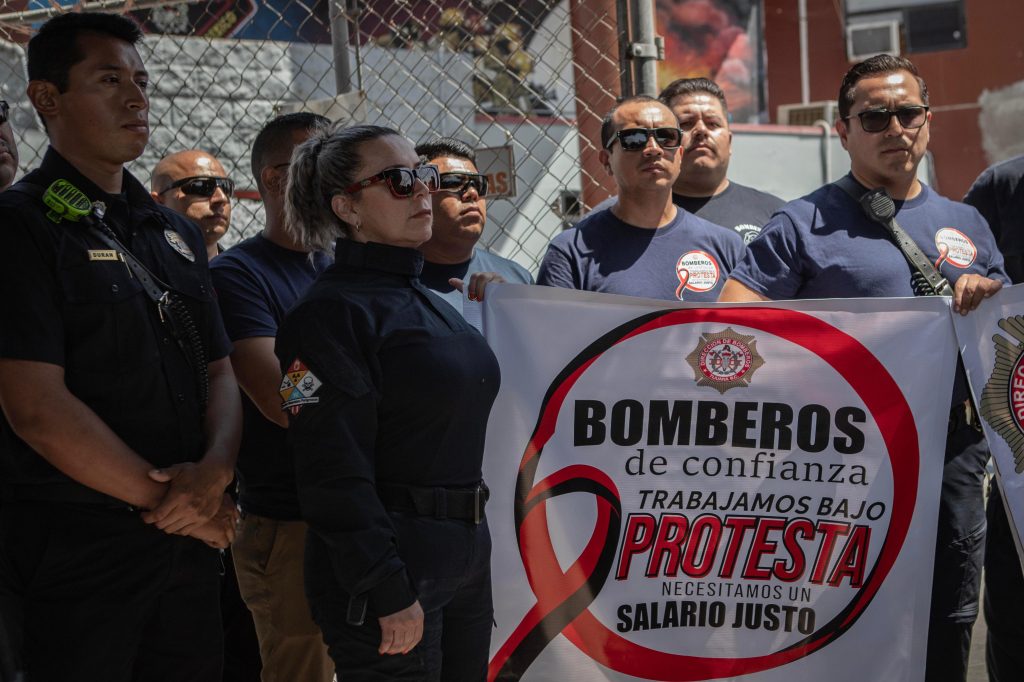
[[298, 386]]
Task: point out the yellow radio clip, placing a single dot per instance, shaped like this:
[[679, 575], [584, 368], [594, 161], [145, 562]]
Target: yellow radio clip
[[66, 201]]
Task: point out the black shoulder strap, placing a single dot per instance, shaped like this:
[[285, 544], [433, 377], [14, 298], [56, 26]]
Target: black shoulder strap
[[30, 188], [154, 288], [879, 207]]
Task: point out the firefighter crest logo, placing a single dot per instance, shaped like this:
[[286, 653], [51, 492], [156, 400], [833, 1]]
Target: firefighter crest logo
[[1002, 401], [724, 360], [298, 386]]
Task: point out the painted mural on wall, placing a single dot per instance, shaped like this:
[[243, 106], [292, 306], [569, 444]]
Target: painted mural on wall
[[715, 39], [498, 34], [297, 20], [504, 37]]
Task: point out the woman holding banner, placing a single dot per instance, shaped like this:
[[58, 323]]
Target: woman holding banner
[[389, 391]]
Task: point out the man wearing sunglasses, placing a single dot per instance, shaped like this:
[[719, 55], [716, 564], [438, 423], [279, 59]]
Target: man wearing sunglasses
[[825, 246], [703, 187], [460, 215], [194, 184], [643, 245], [8, 149]]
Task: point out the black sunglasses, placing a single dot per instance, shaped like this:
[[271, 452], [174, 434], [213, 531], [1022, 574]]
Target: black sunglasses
[[877, 120], [635, 139], [5, 111], [202, 186], [401, 181], [461, 182]]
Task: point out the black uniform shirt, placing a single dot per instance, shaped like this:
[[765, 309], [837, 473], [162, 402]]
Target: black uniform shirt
[[65, 301], [386, 382], [998, 194]]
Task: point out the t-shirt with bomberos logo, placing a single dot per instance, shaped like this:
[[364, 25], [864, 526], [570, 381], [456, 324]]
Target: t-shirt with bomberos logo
[[688, 259], [824, 246]]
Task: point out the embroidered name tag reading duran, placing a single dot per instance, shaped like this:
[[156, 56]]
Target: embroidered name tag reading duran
[[102, 254]]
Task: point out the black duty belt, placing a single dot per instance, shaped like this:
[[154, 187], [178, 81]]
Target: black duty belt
[[464, 504]]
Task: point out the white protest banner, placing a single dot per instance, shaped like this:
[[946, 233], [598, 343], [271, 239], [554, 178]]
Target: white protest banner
[[729, 492], [992, 344]]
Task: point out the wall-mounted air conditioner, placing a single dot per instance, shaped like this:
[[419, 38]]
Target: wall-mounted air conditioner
[[807, 114], [866, 39]]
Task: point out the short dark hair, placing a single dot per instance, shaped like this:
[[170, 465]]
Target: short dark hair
[[54, 49], [872, 66], [608, 128], [446, 146], [277, 133], [692, 86]]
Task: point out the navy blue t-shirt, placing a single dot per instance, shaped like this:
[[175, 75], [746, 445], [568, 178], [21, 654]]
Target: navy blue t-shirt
[[257, 282], [738, 207], [823, 246], [687, 260]]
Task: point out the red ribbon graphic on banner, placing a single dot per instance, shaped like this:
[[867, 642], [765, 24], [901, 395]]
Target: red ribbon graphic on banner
[[563, 597]]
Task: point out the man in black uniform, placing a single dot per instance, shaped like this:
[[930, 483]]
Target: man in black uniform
[[998, 194], [112, 403]]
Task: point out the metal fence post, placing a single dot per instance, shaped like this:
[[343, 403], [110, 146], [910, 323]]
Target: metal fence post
[[339, 43], [645, 48]]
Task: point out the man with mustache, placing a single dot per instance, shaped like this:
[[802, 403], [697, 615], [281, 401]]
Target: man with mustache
[[8, 149], [121, 415], [703, 187], [824, 246], [460, 214], [194, 184], [643, 244]]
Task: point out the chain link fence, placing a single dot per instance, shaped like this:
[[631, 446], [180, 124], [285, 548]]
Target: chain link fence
[[526, 81]]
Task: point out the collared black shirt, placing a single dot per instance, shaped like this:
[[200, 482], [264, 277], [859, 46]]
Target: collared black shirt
[[386, 382], [66, 302], [998, 194]]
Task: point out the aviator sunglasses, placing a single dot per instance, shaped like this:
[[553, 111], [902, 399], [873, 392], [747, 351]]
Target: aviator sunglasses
[[202, 186], [635, 139], [461, 182], [401, 181], [877, 120]]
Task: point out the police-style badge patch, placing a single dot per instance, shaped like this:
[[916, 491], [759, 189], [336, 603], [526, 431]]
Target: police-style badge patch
[[1002, 401], [298, 386], [724, 360], [955, 248], [697, 271], [177, 243]]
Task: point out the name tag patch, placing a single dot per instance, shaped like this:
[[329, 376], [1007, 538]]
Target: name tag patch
[[102, 254]]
